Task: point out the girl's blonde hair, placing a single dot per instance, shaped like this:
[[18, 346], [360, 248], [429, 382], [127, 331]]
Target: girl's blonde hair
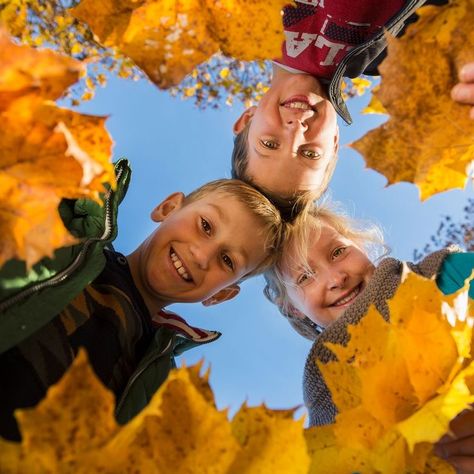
[[365, 235]]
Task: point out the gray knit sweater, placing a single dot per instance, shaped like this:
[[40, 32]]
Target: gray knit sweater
[[380, 288]]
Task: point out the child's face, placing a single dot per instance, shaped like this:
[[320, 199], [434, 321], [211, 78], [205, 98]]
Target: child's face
[[200, 248], [293, 135], [340, 271]]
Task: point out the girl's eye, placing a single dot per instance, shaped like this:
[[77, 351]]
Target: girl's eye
[[338, 252], [206, 227], [228, 261], [310, 154], [303, 278], [270, 144]]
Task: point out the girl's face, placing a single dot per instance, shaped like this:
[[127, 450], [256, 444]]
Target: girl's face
[[340, 270]]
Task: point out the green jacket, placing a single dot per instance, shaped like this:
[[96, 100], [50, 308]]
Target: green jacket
[[31, 299]]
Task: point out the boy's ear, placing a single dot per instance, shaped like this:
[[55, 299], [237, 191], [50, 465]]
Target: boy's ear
[[225, 294], [243, 120], [172, 203]]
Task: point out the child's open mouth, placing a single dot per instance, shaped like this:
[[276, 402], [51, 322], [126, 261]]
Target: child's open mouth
[[297, 102], [345, 300], [179, 265]]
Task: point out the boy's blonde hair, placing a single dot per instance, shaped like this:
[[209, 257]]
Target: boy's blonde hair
[[311, 219], [273, 228]]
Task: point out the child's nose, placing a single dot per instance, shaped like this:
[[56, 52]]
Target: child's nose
[[337, 279], [202, 254]]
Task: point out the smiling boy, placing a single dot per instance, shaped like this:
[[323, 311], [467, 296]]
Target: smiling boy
[[94, 297]]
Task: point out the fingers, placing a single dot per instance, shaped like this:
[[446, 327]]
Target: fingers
[[466, 74], [463, 92], [462, 464], [459, 447]]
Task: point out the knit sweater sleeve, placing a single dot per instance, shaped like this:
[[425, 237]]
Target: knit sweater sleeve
[[380, 289]]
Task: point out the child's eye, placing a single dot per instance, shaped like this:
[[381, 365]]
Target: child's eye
[[338, 252], [310, 154], [304, 277], [228, 261], [270, 144], [206, 227]]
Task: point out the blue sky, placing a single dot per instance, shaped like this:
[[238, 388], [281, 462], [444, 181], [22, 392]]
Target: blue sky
[[173, 146]]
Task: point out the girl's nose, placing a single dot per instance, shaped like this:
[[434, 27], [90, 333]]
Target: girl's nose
[[337, 280]]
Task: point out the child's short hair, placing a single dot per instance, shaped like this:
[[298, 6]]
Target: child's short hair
[[288, 206], [367, 236], [274, 228]]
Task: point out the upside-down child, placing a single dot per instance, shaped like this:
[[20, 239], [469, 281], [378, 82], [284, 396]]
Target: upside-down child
[[92, 296], [288, 142], [324, 280]]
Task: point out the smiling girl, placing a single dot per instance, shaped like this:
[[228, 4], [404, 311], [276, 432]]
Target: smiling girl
[[328, 275]]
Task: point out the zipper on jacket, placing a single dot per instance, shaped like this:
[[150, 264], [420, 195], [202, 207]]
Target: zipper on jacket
[[139, 372], [145, 366], [61, 276]]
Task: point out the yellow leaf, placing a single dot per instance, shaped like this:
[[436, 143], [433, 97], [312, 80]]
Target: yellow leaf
[[361, 84], [167, 39], [431, 421], [239, 34], [375, 106], [75, 417], [224, 72], [428, 139], [397, 385], [48, 153], [271, 442], [26, 71]]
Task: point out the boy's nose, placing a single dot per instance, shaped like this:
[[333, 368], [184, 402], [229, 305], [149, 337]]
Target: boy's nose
[[202, 254]]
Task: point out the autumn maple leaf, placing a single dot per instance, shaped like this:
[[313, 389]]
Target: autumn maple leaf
[[397, 385], [167, 39], [429, 138], [48, 153], [181, 431]]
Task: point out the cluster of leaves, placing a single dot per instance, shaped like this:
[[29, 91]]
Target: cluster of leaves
[[50, 23], [451, 233], [181, 431], [48, 153], [428, 138], [397, 387]]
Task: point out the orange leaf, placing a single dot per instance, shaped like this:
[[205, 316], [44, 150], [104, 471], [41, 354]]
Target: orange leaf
[[429, 137]]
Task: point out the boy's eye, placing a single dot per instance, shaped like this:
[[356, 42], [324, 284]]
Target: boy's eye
[[228, 261], [206, 227], [338, 252], [310, 154], [270, 144]]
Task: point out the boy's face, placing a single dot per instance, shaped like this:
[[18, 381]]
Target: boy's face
[[200, 248], [340, 271], [293, 135]]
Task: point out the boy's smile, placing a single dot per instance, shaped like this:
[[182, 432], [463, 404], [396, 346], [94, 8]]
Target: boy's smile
[[200, 248]]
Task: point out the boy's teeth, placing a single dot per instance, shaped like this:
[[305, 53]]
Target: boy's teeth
[[178, 264]]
